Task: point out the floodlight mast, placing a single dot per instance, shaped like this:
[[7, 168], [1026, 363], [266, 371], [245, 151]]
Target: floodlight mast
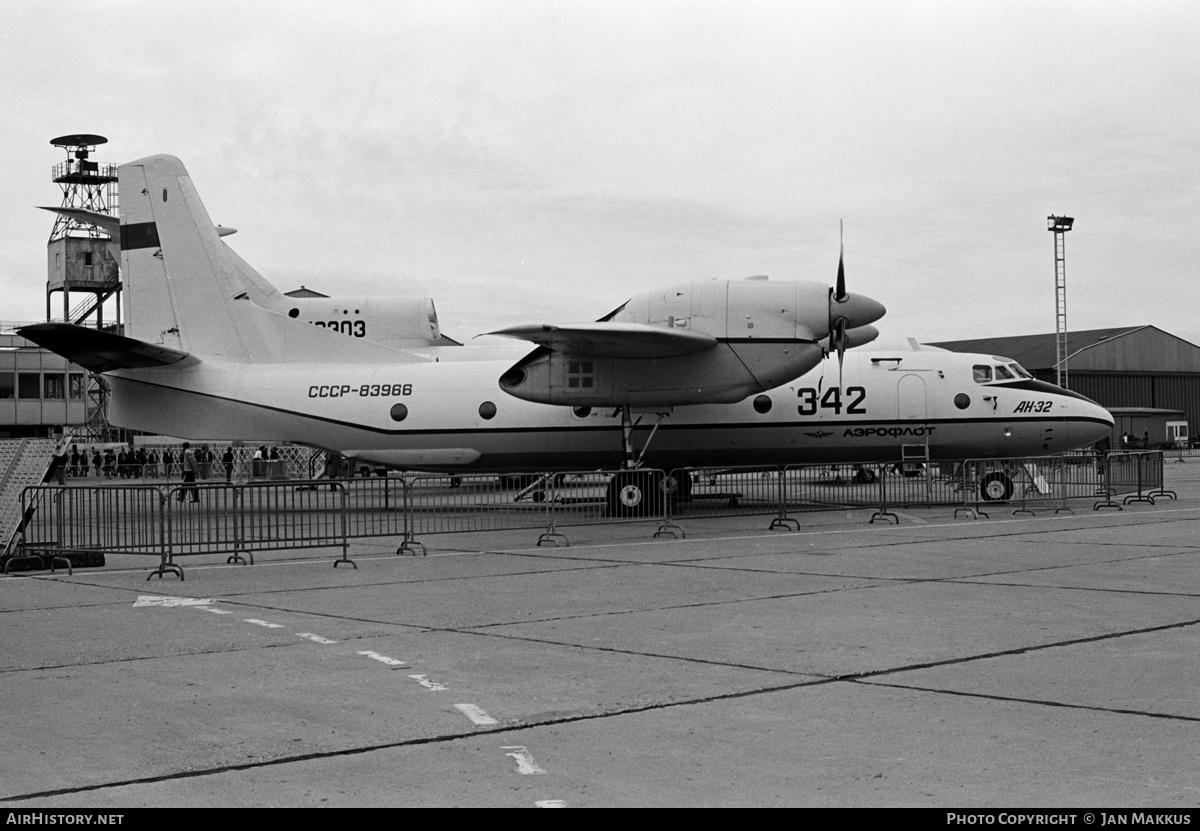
[[1059, 225]]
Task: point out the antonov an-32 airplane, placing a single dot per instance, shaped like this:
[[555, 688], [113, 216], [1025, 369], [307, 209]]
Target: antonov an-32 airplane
[[708, 373]]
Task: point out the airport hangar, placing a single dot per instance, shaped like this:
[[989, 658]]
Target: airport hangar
[[1147, 378]]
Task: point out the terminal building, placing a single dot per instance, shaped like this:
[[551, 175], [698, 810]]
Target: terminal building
[[38, 390]]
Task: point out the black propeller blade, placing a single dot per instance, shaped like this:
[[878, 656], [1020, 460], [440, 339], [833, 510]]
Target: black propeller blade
[[838, 294]]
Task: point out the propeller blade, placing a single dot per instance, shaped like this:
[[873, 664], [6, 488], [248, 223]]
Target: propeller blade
[[841, 347], [840, 295], [837, 322]]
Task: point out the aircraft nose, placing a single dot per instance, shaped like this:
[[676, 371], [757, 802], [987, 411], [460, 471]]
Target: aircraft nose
[[1094, 424], [859, 310]]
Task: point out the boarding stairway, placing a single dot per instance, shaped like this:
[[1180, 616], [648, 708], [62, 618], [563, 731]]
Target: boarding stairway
[[23, 462], [87, 308]]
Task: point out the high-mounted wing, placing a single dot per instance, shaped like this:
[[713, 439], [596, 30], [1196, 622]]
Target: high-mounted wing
[[612, 340], [99, 351]]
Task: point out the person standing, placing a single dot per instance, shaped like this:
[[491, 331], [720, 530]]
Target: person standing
[[227, 460], [189, 474]]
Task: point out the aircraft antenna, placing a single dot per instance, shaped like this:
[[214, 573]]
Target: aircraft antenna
[[1059, 225]]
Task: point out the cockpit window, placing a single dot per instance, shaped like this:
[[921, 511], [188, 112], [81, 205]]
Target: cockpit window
[[1006, 371]]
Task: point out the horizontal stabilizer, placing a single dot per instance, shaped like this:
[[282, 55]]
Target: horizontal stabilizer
[[99, 351], [614, 340], [106, 222], [111, 224]]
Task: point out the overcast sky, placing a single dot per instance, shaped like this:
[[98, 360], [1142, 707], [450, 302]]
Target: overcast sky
[[531, 160]]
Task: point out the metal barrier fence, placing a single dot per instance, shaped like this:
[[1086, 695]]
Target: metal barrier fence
[[72, 520], [1053, 481], [177, 520], [181, 520]]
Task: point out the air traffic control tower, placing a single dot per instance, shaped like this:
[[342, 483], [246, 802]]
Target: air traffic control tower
[[82, 257]]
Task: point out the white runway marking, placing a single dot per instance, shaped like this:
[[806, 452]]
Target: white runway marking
[[258, 622], [550, 803], [213, 609], [424, 681], [155, 600], [524, 759], [384, 659], [314, 638], [475, 714]]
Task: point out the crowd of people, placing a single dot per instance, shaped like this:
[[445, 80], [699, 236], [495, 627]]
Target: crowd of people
[[173, 462]]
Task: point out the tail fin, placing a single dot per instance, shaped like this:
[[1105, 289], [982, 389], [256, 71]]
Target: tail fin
[[190, 294], [174, 263]]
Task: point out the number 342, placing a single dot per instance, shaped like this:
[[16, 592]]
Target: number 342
[[811, 400]]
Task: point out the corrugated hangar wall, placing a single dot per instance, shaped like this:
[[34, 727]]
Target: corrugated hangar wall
[[1132, 366], [1163, 392]]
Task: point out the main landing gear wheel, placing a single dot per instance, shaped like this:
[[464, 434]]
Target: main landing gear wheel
[[677, 486], [864, 475], [995, 487], [635, 493]]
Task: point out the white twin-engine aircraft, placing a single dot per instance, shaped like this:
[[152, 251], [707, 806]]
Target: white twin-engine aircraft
[[708, 373]]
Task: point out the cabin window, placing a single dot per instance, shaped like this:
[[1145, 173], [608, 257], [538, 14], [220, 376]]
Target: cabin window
[[399, 412], [1003, 374], [487, 410], [982, 374]]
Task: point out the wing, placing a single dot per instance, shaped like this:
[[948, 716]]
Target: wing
[[615, 340], [99, 351]]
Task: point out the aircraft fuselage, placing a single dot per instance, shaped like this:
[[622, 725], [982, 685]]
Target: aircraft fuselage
[[452, 415]]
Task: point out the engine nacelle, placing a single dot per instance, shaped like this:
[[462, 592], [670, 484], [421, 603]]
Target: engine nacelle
[[717, 376], [715, 341]]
